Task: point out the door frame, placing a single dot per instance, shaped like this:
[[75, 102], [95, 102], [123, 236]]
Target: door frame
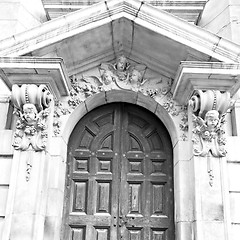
[[182, 225]]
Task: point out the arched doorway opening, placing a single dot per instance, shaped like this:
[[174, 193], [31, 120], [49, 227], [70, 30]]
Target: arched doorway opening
[[119, 181]]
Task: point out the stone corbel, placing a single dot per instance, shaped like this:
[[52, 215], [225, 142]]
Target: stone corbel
[[209, 110], [31, 104], [32, 108]]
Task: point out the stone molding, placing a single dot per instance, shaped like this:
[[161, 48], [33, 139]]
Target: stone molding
[[35, 70], [188, 10]]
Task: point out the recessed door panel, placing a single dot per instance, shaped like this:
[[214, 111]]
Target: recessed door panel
[[119, 177]]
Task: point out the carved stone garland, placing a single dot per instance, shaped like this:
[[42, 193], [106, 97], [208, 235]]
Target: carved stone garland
[[209, 109], [31, 104], [119, 75]]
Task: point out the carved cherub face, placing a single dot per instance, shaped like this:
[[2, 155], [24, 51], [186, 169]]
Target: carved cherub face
[[212, 118], [121, 63], [29, 112], [107, 77], [135, 77]]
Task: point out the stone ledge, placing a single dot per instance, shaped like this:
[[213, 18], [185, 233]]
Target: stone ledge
[[35, 70], [193, 76]]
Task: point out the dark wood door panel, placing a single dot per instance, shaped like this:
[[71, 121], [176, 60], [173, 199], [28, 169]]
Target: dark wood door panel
[[119, 178]]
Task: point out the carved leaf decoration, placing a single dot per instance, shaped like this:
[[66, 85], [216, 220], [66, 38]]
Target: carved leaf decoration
[[107, 66], [140, 67], [92, 80], [151, 83]]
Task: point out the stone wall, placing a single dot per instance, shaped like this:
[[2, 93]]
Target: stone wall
[[6, 154], [17, 16], [222, 18], [233, 167]]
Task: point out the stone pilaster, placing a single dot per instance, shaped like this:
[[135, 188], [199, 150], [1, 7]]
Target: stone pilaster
[[207, 110]]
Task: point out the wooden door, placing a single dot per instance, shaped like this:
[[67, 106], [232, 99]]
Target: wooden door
[[119, 178]]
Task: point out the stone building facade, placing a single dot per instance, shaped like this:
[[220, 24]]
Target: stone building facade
[[120, 120]]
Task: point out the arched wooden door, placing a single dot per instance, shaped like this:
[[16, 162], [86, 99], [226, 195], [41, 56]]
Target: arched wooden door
[[119, 179]]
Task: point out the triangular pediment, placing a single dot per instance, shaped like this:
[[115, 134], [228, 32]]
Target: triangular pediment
[[88, 37]]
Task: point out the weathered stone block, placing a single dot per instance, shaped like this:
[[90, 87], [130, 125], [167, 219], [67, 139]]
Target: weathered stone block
[[234, 176], [150, 104], [182, 151], [6, 142], [235, 232], [96, 101], [213, 230], [3, 199], [5, 169], [57, 167], [184, 191], [184, 230], [235, 207]]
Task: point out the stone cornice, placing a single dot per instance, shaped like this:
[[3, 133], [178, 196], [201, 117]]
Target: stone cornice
[[49, 71], [193, 76], [185, 9], [105, 12]]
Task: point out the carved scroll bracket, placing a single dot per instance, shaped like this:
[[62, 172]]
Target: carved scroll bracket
[[209, 110], [31, 104]]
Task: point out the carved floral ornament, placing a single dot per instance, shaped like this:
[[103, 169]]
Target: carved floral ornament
[[209, 110], [31, 104], [121, 75]]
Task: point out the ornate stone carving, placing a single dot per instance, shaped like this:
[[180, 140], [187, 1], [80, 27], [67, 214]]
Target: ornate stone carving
[[120, 75], [184, 125], [204, 101], [209, 135], [32, 108], [31, 103], [209, 109], [59, 110], [83, 88]]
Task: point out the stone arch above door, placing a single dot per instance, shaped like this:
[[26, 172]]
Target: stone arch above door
[[102, 98]]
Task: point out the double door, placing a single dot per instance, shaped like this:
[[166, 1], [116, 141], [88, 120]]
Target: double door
[[119, 177]]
